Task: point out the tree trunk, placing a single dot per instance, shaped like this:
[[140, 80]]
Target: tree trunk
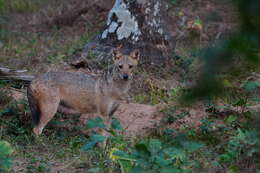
[[134, 24]]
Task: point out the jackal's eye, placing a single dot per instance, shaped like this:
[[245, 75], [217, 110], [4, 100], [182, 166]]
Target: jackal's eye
[[130, 66], [120, 66]]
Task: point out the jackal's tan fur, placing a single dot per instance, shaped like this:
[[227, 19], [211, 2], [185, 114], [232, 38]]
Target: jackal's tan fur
[[72, 93]]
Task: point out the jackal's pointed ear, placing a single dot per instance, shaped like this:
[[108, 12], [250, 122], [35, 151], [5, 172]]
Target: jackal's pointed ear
[[116, 55], [135, 54]]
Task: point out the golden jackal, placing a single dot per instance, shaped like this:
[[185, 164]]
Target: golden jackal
[[72, 93]]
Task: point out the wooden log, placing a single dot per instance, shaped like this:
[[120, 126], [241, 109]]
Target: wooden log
[[17, 75]]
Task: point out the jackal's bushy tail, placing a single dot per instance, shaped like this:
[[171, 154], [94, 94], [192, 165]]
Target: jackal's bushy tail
[[33, 103]]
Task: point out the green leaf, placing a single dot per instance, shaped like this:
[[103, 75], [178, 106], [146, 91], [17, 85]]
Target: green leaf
[[123, 155], [198, 23], [125, 165], [252, 137], [93, 123], [240, 102], [137, 169], [5, 151], [154, 146], [116, 125], [227, 83], [175, 153], [192, 146], [5, 148], [231, 119], [250, 85], [94, 139], [142, 149], [97, 138], [162, 162], [174, 1], [225, 157], [169, 169], [240, 135], [88, 145]]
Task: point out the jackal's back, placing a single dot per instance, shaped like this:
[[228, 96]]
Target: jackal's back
[[68, 79]]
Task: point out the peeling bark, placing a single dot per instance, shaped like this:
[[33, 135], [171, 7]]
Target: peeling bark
[[134, 24]]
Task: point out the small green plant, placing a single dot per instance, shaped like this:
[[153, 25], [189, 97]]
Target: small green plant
[[251, 88], [115, 137], [5, 152], [5, 98], [153, 155], [243, 142]]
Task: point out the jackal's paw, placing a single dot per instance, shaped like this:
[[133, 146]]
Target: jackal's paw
[[126, 100], [37, 131]]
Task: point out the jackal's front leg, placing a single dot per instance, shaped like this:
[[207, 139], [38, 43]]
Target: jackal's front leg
[[125, 98], [107, 121]]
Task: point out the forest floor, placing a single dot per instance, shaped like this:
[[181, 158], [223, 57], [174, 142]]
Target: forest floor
[[32, 38]]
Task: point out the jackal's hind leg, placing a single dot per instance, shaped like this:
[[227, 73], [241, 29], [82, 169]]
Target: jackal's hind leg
[[48, 110]]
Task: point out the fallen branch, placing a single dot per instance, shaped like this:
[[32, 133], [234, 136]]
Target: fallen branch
[[4, 70], [25, 78], [10, 75]]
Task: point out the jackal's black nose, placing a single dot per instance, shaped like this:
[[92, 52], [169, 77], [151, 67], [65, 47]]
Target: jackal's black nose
[[125, 76]]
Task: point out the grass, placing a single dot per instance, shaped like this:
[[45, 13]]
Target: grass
[[32, 48], [19, 6], [54, 147]]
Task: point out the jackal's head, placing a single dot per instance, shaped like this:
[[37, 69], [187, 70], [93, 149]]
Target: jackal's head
[[125, 64]]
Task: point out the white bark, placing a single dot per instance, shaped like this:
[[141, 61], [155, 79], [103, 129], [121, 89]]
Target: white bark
[[126, 25]]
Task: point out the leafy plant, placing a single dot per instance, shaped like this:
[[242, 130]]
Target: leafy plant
[[95, 139], [242, 142], [5, 98], [249, 86], [149, 155], [5, 152], [153, 155]]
